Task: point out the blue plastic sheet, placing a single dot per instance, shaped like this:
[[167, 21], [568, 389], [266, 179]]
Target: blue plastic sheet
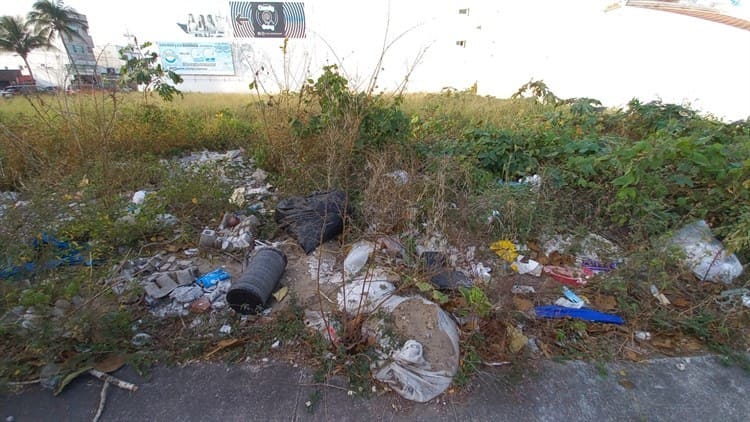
[[586, 314], [65, 254]]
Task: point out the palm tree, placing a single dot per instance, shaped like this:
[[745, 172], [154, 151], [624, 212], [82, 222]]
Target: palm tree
[[59, 20], [20, 37]]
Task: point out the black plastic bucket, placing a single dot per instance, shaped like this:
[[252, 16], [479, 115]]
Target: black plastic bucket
[[254, 287]]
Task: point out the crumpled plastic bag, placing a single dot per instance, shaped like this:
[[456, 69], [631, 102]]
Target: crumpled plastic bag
[[408, 372], [705, 254], [364, 295], [313, 218]]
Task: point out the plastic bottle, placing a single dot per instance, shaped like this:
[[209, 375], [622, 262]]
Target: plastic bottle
[[358, 256]]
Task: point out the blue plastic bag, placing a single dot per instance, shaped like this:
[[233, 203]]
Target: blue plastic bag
[[210, 279]]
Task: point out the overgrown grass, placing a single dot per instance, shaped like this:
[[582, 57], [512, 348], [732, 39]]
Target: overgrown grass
[[632, 174]]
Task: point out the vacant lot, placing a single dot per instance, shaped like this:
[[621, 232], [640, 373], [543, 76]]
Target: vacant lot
[[434, 171]]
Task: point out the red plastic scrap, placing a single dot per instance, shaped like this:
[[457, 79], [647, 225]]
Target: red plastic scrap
[[568, 276]]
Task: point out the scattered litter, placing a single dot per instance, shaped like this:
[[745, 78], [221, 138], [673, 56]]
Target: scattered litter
[[253, 288], [65, 253], [571, 296], [681, 366], [705, 254], [186, 294], [391, 247], [141, 339], [552, 311], [522, 290], [524, 265], [276, 344], [364, 295], [480, 270], [321, 265], [532, 182], [442, 277], [565, 275], [591, 248], [210, 279], [569, 303], [424, 366], [728, 299], [314, 218], [358, 256], [659, 296], [643, 335], [400, 176], [517, 339], [280, 294], [226, 329], [505, 249], [191, 252], [592, 267], [139, 197], [200, 305], [451, 280]]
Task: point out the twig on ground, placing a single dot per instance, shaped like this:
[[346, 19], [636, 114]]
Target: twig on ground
[[102, 400], [36, 381], [320, 384], [112, 380]]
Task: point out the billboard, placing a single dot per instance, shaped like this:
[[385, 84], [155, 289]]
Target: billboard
[[267, 20], [197, 58], [200, 24]]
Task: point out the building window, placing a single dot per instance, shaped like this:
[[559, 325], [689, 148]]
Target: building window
[[463, 11], [461, 43]]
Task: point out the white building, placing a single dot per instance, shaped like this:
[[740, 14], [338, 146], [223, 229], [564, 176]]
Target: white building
[[580, 48]]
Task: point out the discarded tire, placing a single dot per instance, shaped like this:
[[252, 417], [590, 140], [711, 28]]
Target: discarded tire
[[254, 287]]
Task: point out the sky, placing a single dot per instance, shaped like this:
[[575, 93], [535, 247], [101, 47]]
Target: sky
[[577, 48]]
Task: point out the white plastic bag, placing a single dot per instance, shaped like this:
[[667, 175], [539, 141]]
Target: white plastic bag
[[408, 371], [425, 365], [706, 255]]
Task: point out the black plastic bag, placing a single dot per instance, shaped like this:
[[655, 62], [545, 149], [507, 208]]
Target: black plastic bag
[[313, 219]]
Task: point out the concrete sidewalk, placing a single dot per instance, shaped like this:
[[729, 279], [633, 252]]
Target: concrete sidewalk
[[704, 390]]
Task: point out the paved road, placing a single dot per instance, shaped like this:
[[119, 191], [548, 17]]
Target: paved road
[[704, 390]]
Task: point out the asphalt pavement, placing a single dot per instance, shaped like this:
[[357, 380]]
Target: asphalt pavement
[[670, 389]]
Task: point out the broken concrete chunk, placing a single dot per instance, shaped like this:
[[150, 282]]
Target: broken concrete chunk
[[160, 286], [184, 277]]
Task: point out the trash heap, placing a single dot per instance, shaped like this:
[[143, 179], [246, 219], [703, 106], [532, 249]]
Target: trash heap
[[172, 281]]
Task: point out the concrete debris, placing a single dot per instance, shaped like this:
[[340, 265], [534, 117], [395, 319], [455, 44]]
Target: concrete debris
[[186, 294]]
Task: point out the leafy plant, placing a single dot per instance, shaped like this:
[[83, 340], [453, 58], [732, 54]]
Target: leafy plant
[[142, 68]]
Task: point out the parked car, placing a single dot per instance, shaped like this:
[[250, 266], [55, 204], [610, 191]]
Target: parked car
[[9, 92]]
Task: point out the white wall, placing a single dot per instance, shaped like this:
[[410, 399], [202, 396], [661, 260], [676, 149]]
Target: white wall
[[574, 46]]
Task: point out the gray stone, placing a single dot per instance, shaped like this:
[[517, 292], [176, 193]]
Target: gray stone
[[184, 263], [62, 304]]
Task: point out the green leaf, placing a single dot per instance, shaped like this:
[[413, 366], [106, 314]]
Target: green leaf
[[625, 180], [440, 297], [682, 180], [424, 287], [70, 377], [627, 193]]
